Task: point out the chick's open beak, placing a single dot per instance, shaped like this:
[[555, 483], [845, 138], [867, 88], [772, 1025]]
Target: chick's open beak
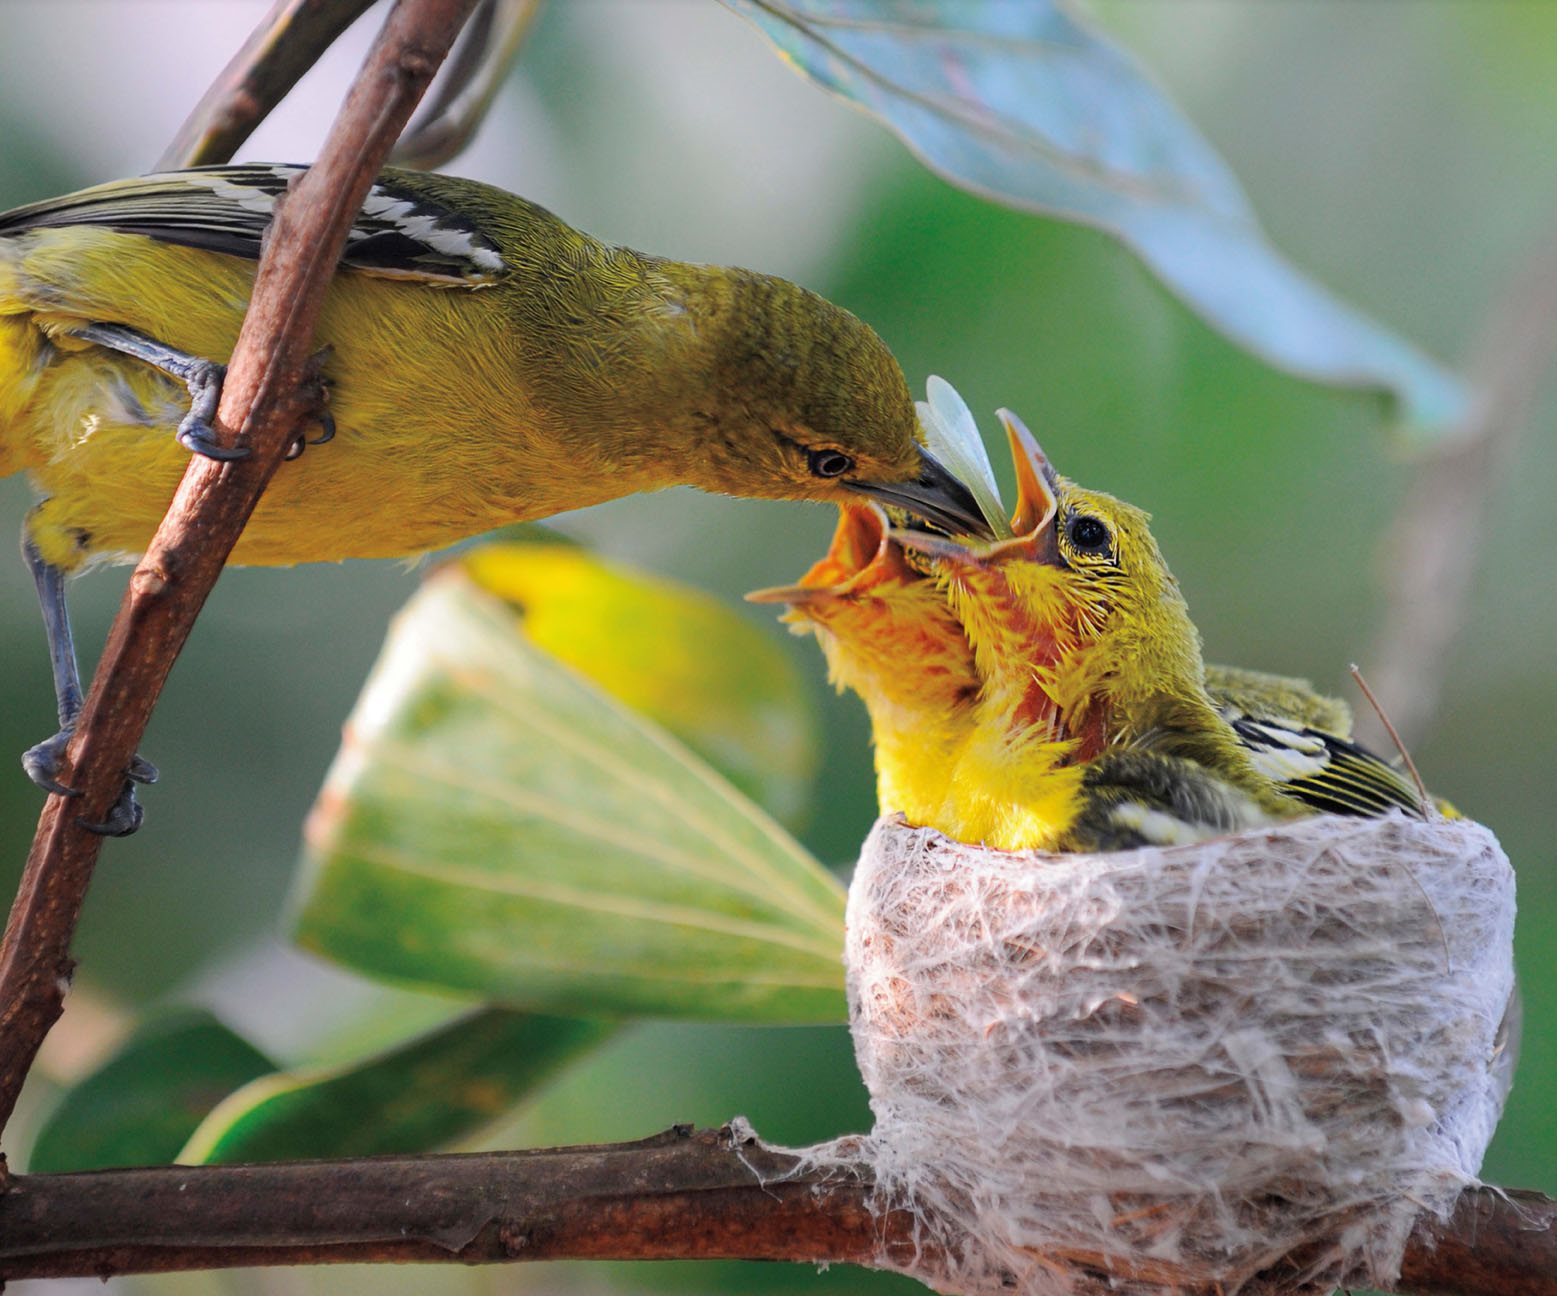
[[858, 547], [1036, 480], [936, 496], [1037, 502]]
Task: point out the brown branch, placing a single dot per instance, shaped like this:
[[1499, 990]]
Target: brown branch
[[261, 400], [287, 42], [679, 1195], [1501, 1243], [461, 99], [710, 1195]]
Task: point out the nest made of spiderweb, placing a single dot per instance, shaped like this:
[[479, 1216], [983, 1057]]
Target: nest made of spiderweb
[[1243, 1065]]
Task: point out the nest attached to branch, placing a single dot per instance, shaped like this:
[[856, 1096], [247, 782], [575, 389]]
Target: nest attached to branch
[[1246, 1065]]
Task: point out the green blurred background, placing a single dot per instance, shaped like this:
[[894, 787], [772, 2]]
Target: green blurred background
[[1401, 152]]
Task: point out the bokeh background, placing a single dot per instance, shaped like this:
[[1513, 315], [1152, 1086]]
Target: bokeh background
[[1401, 152]]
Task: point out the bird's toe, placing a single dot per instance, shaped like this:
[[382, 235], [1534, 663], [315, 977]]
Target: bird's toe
[[42, 763], [124, 816]]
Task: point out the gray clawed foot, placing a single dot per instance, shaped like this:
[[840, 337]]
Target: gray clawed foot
[[317, 388], [195, 433], [124, 816], [43, 762]]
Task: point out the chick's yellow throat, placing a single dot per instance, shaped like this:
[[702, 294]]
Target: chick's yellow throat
[[887, 634]]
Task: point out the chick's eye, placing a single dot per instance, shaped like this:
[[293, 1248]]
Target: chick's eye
[[828, 463], [1088, 535]]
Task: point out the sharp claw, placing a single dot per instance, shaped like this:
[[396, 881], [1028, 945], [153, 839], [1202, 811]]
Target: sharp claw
[[196, 436], [326, 422], [124, 817], [141, 771]]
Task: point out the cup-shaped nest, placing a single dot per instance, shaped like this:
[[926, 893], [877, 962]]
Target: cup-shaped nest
[[1245, 1065]]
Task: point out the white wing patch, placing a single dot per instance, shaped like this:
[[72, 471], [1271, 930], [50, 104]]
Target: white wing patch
[[1158, 827], [1282, 755], [260, 201], [403, 230], [423, 227]]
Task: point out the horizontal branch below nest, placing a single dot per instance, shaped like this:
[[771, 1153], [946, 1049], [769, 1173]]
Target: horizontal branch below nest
[[713, 1194]]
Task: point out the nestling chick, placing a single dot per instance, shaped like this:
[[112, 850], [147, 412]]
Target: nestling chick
[[1068, 707]]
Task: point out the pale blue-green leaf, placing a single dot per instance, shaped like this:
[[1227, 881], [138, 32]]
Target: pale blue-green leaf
[[496, 825], [1016, 100]]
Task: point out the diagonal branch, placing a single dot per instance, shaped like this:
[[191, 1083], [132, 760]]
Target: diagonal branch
[[261, 401], [714, 1194], [287, 42]]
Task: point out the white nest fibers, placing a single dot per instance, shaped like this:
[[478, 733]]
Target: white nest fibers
[[1244, 1065]]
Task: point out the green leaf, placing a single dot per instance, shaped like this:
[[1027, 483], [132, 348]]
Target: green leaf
[[141, 1105], [496, 825], [670, 653], [425, 1094], [1023, 104]]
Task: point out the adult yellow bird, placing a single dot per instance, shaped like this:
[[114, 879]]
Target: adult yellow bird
[[1046, 691], [485, 363]]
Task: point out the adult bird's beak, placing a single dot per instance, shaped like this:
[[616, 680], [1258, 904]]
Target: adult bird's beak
[[1037, 501], [937, 497]]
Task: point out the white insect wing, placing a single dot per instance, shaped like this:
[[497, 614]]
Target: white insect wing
[[953, 438]]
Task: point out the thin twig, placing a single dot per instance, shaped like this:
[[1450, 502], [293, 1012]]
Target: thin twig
[[261, 400], [287, 42], [714, 1194], [1424, 798]]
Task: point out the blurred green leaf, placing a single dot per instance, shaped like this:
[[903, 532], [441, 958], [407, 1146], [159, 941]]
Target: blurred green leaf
[[497, 825], [425, 1094], [141, 1105], [672, 654], [1023, 104]]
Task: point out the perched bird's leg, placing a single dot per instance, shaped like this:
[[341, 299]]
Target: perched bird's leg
[[202, 377], [42, 762]]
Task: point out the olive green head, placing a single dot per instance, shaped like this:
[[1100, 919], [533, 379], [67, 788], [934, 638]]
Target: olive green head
[[812, 405]]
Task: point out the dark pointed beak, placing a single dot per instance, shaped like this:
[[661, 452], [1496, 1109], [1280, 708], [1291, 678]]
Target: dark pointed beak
[[937, 497]]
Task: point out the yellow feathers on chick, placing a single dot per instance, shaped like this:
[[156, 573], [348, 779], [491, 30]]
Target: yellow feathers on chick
[[1085, 718]]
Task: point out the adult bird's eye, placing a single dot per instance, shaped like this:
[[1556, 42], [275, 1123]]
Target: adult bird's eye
[[1088, 534], [828, 463]]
